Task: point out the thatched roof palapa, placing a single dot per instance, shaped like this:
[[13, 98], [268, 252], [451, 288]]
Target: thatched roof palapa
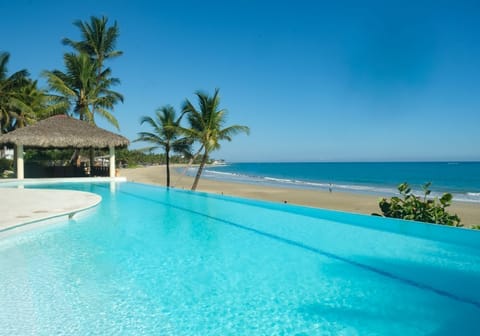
[[61, 131]]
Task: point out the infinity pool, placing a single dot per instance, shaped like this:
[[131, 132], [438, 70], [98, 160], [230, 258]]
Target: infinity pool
[[151, 261]]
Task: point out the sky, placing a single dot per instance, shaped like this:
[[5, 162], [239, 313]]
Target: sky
[[314, 80]]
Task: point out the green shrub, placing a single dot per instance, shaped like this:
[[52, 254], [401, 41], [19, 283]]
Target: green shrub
[[5, 164], [422, 209]]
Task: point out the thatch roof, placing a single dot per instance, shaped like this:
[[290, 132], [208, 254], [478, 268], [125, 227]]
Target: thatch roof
[[62, 131]]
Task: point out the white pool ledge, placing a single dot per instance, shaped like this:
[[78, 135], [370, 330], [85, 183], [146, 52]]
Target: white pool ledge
[[20, 206]]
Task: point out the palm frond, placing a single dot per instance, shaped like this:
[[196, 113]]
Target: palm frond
[[108, 116]]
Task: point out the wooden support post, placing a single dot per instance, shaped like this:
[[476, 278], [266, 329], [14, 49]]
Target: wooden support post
[[20, 166]]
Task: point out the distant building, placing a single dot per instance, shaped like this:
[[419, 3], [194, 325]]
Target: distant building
[[6, 153]]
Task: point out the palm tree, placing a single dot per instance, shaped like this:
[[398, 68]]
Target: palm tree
[[165, 134], [35, 104], [10, 92], [207, 126], [80, 89], [32, 105], [98, 42], [21, 101]]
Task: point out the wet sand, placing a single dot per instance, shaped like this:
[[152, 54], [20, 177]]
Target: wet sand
[[358, 203]]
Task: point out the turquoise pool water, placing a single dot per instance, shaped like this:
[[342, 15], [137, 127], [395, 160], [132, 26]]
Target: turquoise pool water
[[151, 261]]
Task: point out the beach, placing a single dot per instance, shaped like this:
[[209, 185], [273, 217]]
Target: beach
[[342, 201]]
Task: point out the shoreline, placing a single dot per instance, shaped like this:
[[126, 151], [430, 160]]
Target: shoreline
[[469, 213]]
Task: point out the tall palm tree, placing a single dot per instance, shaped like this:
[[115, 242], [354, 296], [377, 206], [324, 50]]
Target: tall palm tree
[[98, 42], [165, 134], [10, 92], [80, 89], [207, 126]]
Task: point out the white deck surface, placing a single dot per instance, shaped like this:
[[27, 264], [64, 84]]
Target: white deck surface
[[19, 206]]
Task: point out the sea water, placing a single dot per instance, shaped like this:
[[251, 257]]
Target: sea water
[[153, 261], [462, 179]]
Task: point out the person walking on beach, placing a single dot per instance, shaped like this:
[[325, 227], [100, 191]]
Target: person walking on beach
[[330, 187]]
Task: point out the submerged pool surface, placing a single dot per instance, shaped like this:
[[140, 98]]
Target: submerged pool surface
[[152, 261]]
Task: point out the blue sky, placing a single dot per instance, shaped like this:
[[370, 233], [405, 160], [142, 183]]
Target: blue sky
[[314, 80]]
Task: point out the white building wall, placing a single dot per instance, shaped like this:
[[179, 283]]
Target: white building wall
[[6, 153]]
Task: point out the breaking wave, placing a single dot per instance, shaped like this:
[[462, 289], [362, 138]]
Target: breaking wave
[[379, 190]]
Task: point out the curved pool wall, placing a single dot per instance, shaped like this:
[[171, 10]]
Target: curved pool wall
[[156, 261], [27, 208]]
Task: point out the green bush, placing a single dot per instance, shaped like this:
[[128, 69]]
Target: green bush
[[5, 164], [422, 209]]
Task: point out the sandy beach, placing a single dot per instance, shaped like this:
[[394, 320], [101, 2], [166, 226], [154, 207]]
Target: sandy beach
[[365, 204]]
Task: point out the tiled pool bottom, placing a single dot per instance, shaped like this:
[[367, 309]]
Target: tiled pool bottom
[[150, 261]]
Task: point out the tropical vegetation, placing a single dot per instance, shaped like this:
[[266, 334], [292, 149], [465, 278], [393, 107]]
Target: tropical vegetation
[[422, 209], [207, 127], [81, 91], [10, 87], [21, 101], [99, 40], [86, 86], [165, 134], [147, 157], [5, 164], [85, 89]]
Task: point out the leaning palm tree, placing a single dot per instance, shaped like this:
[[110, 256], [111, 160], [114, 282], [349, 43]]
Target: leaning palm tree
[[166, 134], [207, 126]]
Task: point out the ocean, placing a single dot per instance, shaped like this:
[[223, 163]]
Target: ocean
[[461, 179]]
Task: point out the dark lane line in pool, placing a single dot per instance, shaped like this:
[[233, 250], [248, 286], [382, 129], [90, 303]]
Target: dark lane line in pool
[[317, 251]]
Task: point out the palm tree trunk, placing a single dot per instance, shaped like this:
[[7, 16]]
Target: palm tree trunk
[[167, 161], [200, 170], [74, 157], [190, 162]]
